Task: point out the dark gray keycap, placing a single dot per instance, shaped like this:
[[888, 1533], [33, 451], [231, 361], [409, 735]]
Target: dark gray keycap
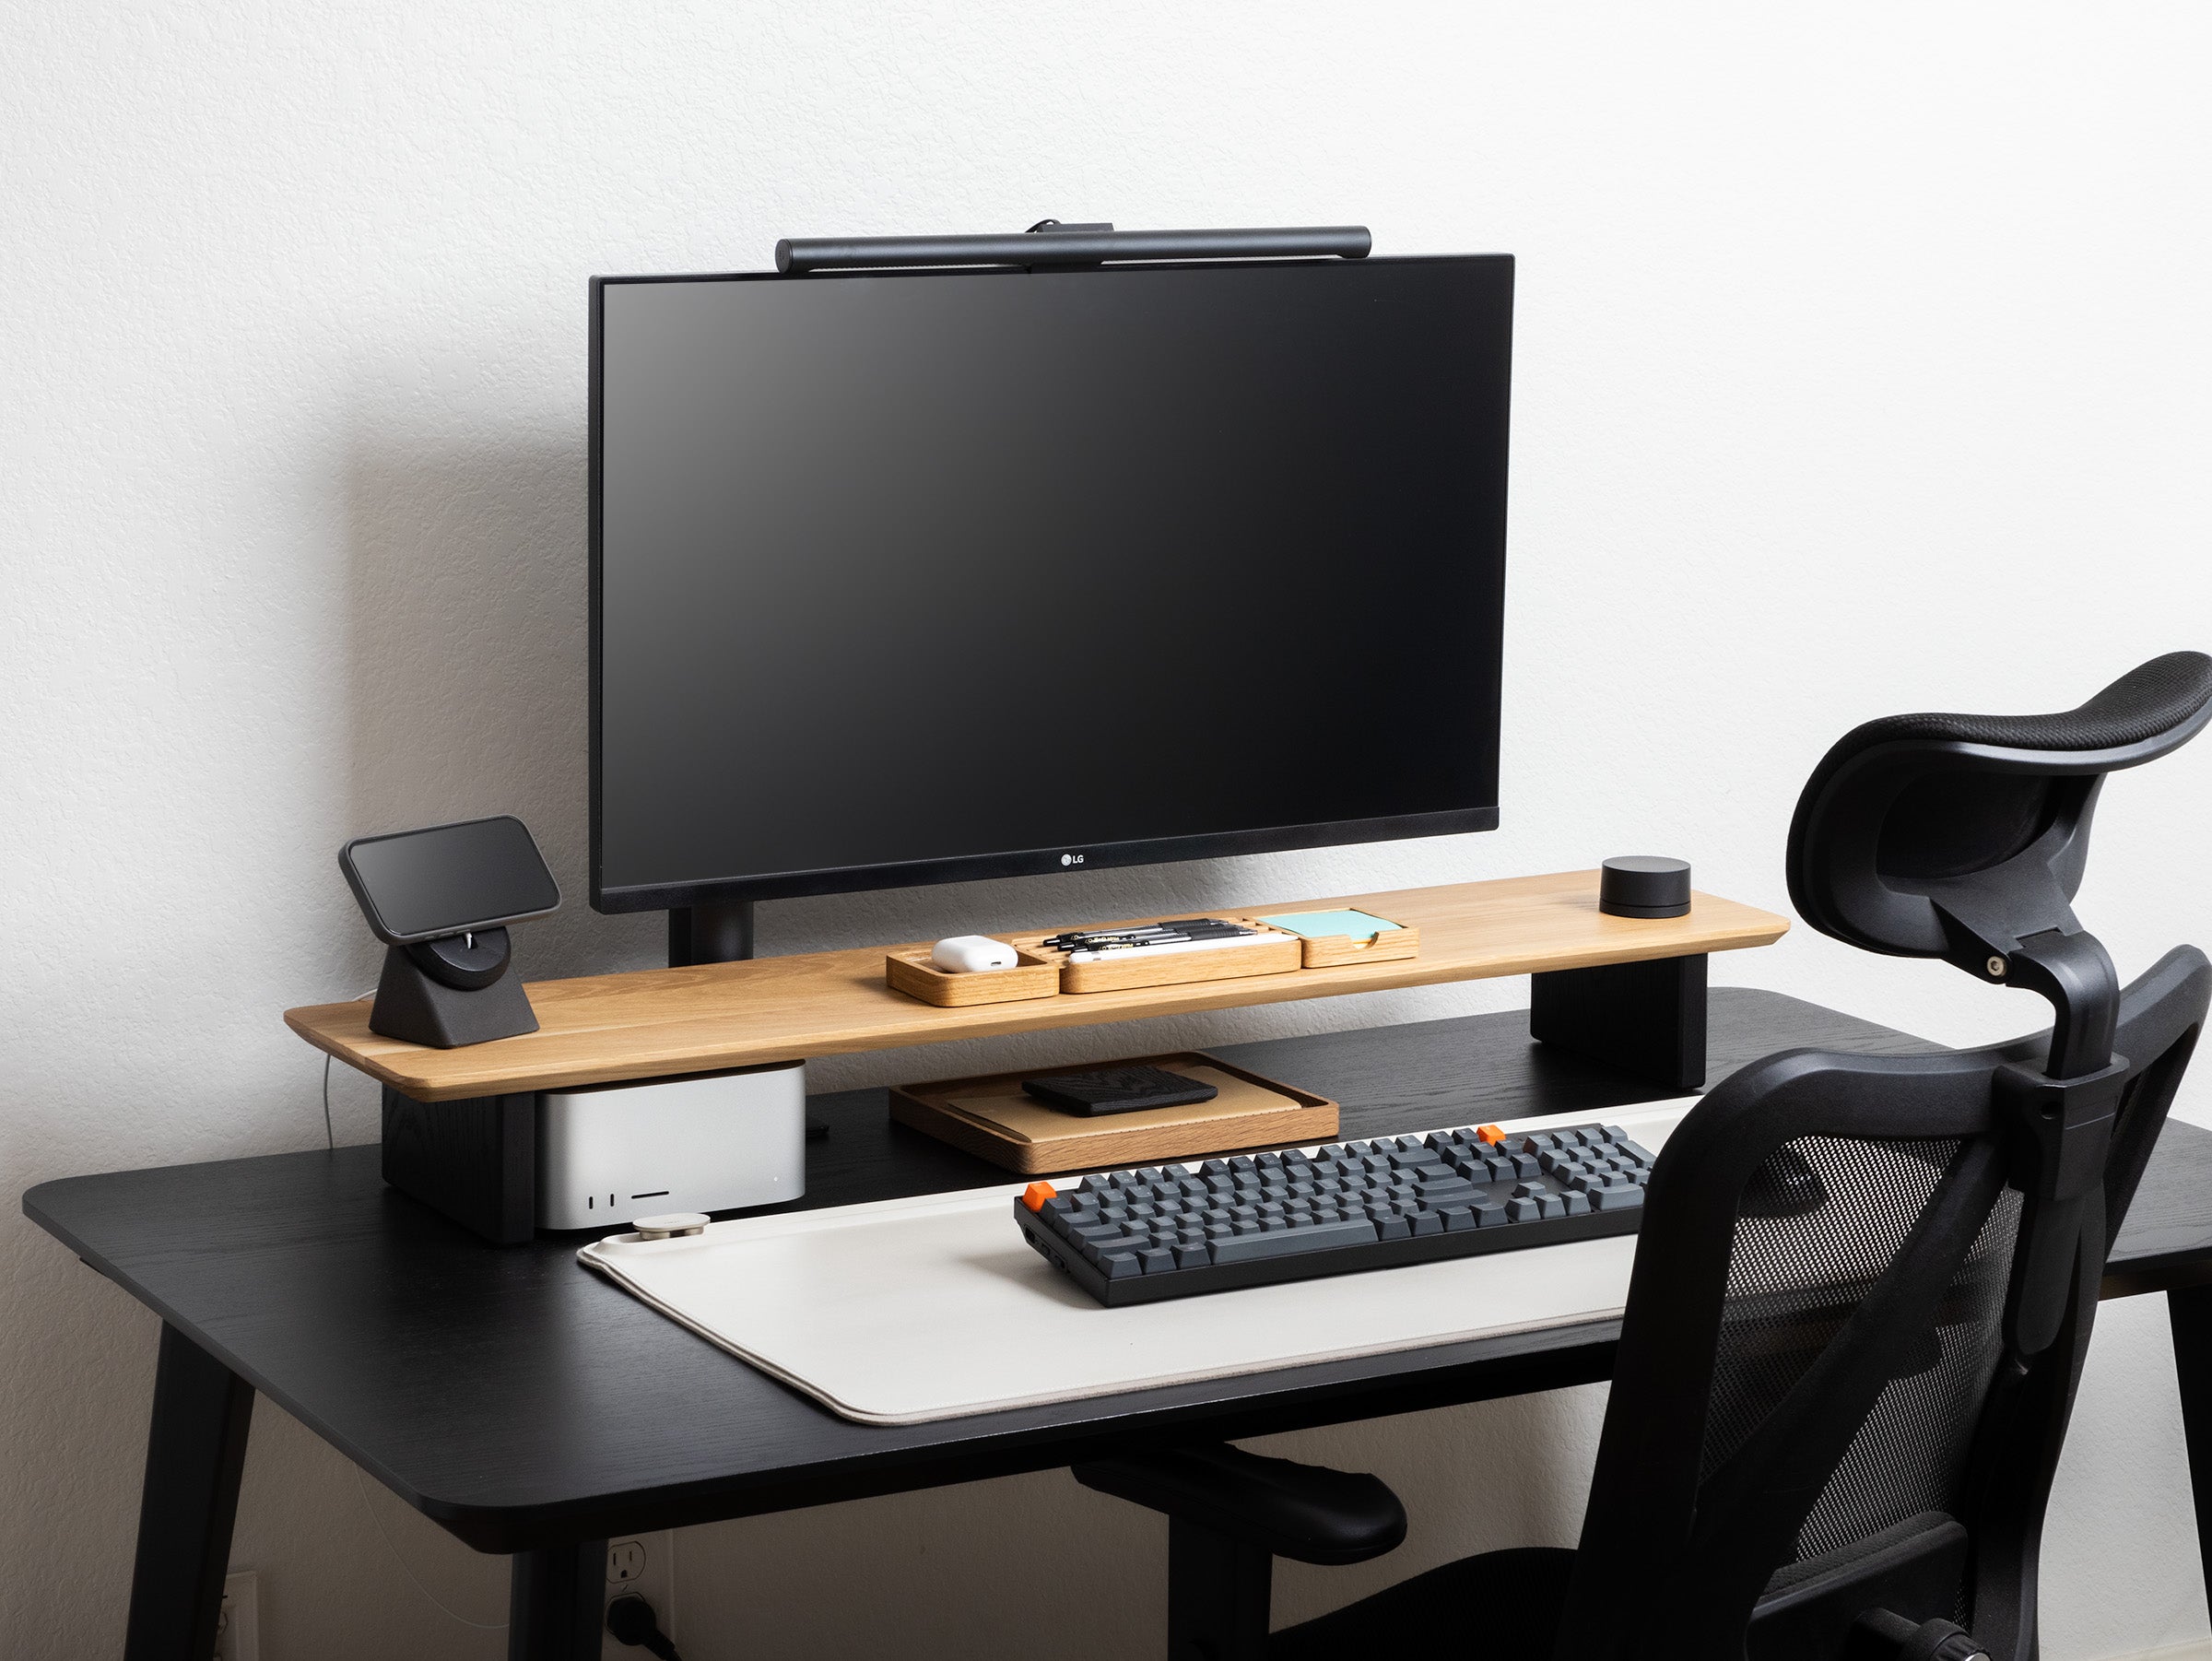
[[1194, 1257], [1617, 1199], [1160, 1260], [1318, 1237], [1119, 1265]]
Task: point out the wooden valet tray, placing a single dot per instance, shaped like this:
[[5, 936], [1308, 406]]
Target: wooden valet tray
[[990, 1118], [911, 971], [1169, 968]]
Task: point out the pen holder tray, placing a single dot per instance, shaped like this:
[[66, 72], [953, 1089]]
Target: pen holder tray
[[1271, 956], [909, 969]]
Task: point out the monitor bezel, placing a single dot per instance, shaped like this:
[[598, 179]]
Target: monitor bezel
[[1069, 858]]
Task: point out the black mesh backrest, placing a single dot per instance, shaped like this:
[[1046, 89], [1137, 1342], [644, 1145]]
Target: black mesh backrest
[[1791, 1278], [1955, 836], [1816, 1410]]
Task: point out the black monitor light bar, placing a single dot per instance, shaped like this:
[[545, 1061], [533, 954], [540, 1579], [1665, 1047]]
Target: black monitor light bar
[[1049, 243]]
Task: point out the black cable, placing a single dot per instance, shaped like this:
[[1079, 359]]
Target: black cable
[[631, 1619]]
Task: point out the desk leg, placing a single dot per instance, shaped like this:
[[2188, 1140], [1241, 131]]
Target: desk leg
[[554, 1603], [2189, 1310], [1646, 1019], [195, 1451]]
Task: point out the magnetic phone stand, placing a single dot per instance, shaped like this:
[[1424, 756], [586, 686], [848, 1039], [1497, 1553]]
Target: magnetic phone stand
[[451, 991]]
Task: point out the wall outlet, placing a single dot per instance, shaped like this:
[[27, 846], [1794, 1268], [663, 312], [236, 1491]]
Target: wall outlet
[[238, 1628], [642, 1565], [625, 1563]]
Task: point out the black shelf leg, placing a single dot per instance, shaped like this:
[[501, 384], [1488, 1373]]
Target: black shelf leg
[[473, 1161], [555, 1599], [1218, 1595], [2189, 1310], [195, 1451], [1646, 1019]]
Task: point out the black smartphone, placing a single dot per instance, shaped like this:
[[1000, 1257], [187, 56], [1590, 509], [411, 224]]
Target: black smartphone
[[1117, 1090], [449, 880]]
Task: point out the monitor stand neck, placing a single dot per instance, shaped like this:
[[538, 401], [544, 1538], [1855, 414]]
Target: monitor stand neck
[[711, 934]]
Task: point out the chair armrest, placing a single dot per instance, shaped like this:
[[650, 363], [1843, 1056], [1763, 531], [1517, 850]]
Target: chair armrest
[[1880, 1635], [1306, 1512]]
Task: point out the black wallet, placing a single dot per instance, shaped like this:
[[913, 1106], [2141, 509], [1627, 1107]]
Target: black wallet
[[1117, 1090]]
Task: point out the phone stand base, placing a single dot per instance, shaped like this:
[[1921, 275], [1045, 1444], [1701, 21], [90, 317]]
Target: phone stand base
[[412, 1006]]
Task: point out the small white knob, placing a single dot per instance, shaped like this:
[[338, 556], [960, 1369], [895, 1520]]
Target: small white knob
[[670, 1225]]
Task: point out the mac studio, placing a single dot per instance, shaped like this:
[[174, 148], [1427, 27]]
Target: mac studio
[[1427, 890]]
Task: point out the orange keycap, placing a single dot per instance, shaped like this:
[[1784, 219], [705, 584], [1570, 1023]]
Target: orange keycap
[[1036, 1194], [1490, 1133]]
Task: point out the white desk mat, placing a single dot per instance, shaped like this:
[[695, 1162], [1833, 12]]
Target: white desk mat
[[906, 1311]]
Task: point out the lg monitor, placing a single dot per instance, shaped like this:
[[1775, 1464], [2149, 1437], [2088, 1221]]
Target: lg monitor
[[913, 577]]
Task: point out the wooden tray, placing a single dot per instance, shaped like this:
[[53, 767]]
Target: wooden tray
[[990, 1118], [1324, 952], [1168, 968], [912, 972]]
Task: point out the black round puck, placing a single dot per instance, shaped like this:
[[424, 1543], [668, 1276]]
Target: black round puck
[[1644, 885]]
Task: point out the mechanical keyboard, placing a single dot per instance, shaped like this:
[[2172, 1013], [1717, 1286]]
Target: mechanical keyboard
[[1171, 1231]]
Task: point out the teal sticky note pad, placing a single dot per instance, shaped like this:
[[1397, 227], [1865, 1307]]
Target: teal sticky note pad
[[1315, 925]]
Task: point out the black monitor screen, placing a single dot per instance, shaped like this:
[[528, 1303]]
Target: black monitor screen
[[906, 577]]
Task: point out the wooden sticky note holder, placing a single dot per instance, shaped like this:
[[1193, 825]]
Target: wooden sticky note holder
[[1323, 951]]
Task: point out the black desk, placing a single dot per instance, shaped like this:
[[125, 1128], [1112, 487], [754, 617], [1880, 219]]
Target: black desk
[[529, 1406]]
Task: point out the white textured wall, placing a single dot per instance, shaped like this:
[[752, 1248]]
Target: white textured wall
[[1863, 365]]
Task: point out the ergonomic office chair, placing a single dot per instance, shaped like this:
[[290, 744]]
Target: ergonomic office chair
[[1864, 1287]]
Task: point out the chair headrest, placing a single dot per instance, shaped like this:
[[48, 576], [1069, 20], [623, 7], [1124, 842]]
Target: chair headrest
[[1958, 836]]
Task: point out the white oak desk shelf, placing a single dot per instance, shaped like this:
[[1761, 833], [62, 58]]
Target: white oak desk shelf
[[1629, 991]]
